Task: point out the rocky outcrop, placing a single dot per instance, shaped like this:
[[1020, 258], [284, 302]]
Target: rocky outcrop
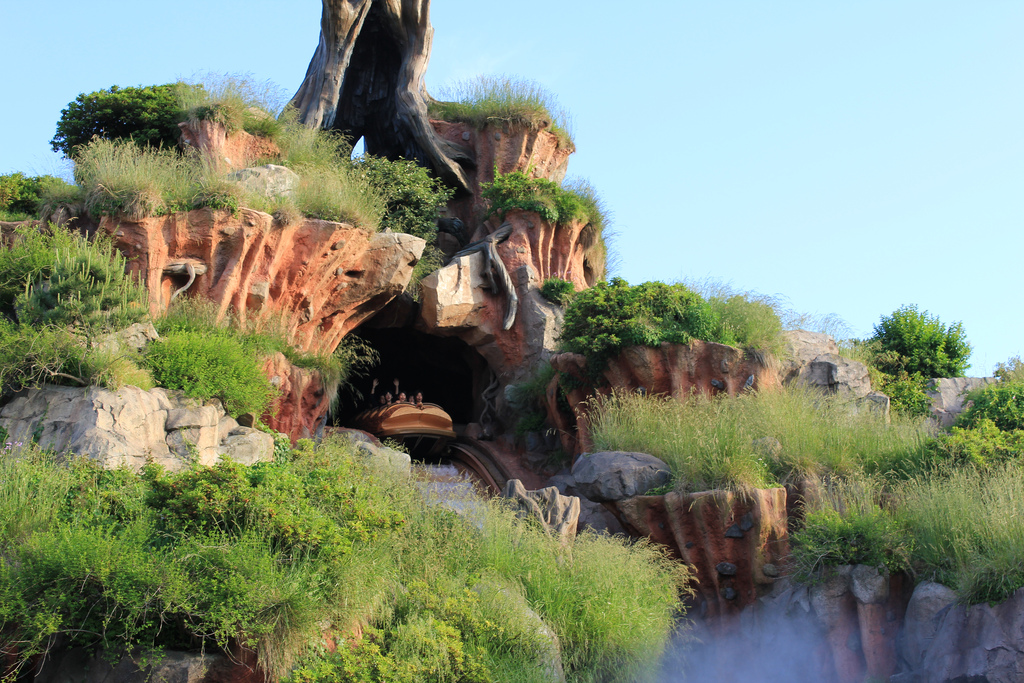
[[501, 148], [226, 151], [946, 642], [131, 427], [270, 180], [320, 279], [836, 375], [614, 475], [949, 396], [557, 514], [800, 348], [675, 370], [300, 407], [736, 542], [82, 665]]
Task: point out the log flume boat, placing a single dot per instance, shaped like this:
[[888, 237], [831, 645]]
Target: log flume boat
[[425, 428]]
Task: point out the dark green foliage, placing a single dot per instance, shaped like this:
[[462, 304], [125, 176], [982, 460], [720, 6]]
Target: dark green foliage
[[208, 366], [1011, 371], [608, 317], [915, 342], [983, 445], [1002, 404], [21, 196], [752, 321], [517, 190], [412, 196], [906, 392], [147, 115], [829, 539], [557, 290]]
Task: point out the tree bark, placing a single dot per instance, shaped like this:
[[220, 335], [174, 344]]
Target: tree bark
[[366, 80]]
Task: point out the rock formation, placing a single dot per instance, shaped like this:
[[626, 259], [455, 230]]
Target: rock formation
[[318, 279], [130, 427], [949, 396], [674, 370], [557, 514], [224, 150]]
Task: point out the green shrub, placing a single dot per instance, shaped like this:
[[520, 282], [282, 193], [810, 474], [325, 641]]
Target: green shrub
[[518, 191], [84, 286], [981, 446], [21, 196], [829, 538], [918, 343], [557, 290], [1011, 371], [412, 197], [146, 115], [906, 392], [503, 100], [1002, 404], [211, 366], [337, 193], [604, 319]]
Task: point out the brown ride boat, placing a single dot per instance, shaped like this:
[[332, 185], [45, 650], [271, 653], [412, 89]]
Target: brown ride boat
[[425, 427]]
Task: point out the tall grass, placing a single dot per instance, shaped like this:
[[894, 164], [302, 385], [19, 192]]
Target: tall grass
[[725, 442], [967, 529], [235, 100], [501, 99]]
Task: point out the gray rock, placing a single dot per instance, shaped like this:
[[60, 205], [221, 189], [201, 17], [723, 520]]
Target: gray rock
[[270, 180], [248, 446], [132, 338], [969, 643], [875, 402], [870, 585], [556, 513], [827, 597], [614, 475], [194, 416], [385, 457], [227, 425], [597, 518], [949, 396], [927, 606], [801, 347], [835, 374]]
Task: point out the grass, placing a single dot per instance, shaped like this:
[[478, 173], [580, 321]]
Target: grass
[[269, 556], [235, 100], [503, 100], [712, 443]]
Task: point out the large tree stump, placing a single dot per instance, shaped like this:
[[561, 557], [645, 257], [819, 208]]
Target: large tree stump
[[366, 80]]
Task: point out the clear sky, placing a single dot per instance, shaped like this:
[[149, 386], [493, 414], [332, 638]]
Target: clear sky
[[852, 157]]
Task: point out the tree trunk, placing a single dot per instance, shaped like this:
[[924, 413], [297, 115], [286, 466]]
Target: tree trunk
[[366, 80]]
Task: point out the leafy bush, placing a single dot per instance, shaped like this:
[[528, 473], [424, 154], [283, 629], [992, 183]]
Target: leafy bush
[[1011, 371], [981, 446], [503, 100], [829, 539], [146, 115], [918, 343], [266, 556], [906, 392], [604, 319], [412, 197], [1002, 404], [21, 196], [211, 366], [517, 190], [557, 290]]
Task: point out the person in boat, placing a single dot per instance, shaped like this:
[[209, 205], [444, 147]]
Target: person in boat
[[402, 398], [419, 399], [388, 398]]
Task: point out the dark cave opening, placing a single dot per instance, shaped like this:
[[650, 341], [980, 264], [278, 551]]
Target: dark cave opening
[[446, 369]]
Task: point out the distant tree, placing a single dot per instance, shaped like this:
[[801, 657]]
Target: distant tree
[[916, 343], [148, 115]]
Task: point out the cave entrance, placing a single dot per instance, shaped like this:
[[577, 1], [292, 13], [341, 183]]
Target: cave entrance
[[446, 370]]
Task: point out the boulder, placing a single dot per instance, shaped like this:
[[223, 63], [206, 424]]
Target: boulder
[[801, 347], [968, 643], [132, 338], [130, 427], [949, 396], [222, 149], [614, 475], [385, 457], [269, 181], [557, 514], [837, 375]]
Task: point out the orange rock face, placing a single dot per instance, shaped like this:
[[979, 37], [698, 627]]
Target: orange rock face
[[318, 279], [505, 149], [675, 370], [735, 542], [302, 402], [226, 151]]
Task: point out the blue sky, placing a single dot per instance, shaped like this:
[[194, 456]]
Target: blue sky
[[852, 157]]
